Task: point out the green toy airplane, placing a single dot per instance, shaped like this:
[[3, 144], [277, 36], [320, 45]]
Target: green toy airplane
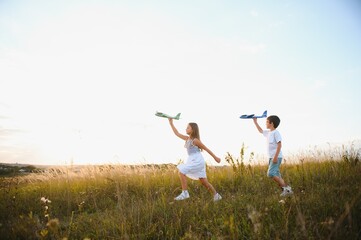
[[160, 114]]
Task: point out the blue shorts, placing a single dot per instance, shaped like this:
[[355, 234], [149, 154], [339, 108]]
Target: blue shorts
[[274, 168]]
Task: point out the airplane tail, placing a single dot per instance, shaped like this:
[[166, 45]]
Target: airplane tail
[[264, 114], [177, 116]]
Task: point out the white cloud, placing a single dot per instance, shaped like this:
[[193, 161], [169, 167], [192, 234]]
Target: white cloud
[[317, 85], [276, 24], [254, 13], [252, 48]]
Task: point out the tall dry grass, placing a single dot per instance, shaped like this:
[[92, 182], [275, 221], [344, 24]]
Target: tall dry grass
[[136, 202]]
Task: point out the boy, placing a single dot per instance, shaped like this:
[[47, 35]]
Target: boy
[[274, 144]]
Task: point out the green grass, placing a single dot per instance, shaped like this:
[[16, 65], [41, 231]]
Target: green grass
[[124, 202]]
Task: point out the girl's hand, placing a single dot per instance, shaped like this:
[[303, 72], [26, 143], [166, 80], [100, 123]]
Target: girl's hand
[[170, 120], [218, 160]]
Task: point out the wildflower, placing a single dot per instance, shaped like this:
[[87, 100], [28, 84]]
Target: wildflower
[[328, 221], [80, 205], [282, 201], [44, 232], [53, 224], [255, 216], [45, 200]]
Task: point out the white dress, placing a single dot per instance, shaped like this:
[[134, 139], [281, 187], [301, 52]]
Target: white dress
[[195, 166]]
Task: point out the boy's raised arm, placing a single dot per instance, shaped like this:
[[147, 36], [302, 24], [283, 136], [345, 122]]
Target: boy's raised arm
[[257, 125]]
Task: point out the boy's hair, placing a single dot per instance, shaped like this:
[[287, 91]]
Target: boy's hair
[[275, 120], [195, 133]]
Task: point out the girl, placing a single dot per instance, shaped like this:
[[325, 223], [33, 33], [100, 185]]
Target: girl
[[195, 166]]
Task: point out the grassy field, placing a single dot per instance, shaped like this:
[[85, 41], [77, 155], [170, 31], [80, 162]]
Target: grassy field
[[136, 202]]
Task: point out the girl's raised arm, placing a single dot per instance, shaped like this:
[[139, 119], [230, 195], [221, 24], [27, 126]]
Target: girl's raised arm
[[184, 137]]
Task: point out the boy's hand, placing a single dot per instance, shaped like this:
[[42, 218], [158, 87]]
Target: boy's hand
[[257, 126], [218, 160], [275, 160], [170, 120]]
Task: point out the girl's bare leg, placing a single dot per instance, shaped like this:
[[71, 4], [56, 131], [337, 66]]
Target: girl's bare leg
[[183, 180], [207, 184]]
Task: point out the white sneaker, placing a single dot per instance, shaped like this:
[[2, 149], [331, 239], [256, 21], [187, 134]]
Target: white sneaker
[[182, 196], [217, 197], [287, 191]]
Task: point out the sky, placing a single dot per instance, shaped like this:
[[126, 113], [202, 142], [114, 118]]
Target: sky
[[80, 81]]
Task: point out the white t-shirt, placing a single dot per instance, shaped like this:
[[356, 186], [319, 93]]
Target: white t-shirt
[[273, 137]]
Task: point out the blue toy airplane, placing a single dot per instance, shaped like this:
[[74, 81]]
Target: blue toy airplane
[[253, 116], [160, 114]]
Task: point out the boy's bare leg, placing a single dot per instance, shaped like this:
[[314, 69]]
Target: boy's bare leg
[[280, 181]]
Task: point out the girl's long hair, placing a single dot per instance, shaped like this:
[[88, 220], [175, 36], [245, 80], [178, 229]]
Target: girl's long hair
[[195, 133]]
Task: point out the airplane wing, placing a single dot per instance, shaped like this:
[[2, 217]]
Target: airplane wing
[[160, 114], [245, 116]]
